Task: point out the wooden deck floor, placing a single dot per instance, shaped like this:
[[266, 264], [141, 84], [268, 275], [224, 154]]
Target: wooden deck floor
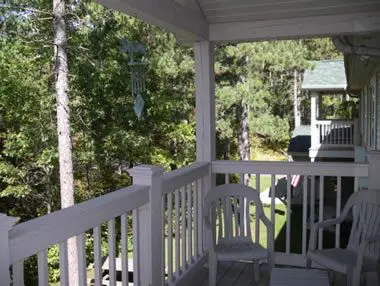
[[232, 273], [241, 273]]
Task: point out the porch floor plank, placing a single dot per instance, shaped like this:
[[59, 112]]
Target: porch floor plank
[[242, 273], [233, 273]]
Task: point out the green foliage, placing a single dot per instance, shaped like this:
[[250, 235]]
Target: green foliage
[[273, 128]]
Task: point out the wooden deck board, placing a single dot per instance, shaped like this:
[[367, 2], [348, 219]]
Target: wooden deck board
[[241, 273], [233, 273]]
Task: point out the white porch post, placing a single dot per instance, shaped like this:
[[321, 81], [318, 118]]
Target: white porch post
[[319, 107], [373, 169], [150, 226], [205, 111], [6, 224], [205, 100], [313, 122]]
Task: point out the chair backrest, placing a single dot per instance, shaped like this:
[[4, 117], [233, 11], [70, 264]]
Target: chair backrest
[[365, 207], [227, 211]]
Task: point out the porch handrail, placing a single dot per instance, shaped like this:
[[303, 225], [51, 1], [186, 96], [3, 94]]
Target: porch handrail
[[33, 236], [330, 121], [291, 168], [183, 176]]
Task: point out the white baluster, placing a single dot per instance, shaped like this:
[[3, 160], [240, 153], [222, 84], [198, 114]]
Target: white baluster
[[124, 249], [288, 210], [63, 264], [6, 224], [321, 205], [136, 247], [18, 273], [97, 256], [177, 231], [170, 237], [257, 221], [183, 227], [338, 209], [304, 215], [82, 271], [189, 224], [112, 252], [43, 272]]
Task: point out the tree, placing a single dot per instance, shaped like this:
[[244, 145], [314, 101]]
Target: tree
[[66, 174]]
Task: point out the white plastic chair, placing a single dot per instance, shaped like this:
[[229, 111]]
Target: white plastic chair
[[362, 253], [227, 219]]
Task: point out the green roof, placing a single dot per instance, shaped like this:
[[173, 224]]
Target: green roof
[[325, 75], [301, 140]]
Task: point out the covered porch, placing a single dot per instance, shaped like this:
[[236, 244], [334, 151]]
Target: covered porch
[[156, 224]]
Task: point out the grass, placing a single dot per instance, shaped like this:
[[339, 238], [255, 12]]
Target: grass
[[265, 182]]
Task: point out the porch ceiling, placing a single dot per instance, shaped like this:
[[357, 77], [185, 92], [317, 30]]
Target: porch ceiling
[[247, 20], [225, 11]]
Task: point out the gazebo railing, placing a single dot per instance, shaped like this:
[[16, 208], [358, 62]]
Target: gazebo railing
[[333, 132]]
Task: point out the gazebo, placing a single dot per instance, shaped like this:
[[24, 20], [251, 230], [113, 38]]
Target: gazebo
[[325, 138]]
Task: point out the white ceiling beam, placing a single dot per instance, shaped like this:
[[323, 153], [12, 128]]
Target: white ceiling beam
[[184, 21], [343, 24]]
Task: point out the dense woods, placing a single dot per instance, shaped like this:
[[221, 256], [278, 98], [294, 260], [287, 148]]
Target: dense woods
[[254, 95]]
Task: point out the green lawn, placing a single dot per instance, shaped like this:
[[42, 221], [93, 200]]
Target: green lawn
[[265, 182]]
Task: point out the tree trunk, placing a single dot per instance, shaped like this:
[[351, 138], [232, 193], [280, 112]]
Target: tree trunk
[[227, 149], [297, 114], [244, 152], [63, 126]]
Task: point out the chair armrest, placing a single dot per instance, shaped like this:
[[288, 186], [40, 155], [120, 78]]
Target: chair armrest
[[362, 247], [322, 224], [270, 231]]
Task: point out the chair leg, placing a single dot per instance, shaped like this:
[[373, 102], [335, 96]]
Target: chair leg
[[356, 276], [349, 278], [353, 278], [213, 270], [256, 270], [308, 263]]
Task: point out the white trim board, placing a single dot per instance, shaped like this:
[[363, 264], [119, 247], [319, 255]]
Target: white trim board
[[365, 22], [184, 21]]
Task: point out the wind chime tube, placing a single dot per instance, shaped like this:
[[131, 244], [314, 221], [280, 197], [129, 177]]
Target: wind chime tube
[[136, 65]]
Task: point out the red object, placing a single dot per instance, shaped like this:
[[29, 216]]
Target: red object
[[296, 180]]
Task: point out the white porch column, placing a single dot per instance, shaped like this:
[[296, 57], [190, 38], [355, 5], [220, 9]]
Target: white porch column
[[150, 226], [205, 100], [6, 224], [319, 107], [313, 123], [373, 169]]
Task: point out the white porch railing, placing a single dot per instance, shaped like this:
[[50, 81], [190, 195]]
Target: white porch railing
[[333, 132], [167, 237], [314, 178], [183, 194], [166, 211], [36, 236]]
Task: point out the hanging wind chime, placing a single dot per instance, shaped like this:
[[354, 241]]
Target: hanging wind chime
[[137, 65]]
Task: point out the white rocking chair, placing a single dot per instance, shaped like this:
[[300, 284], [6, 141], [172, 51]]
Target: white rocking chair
[[363, 250], [230, 237]]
